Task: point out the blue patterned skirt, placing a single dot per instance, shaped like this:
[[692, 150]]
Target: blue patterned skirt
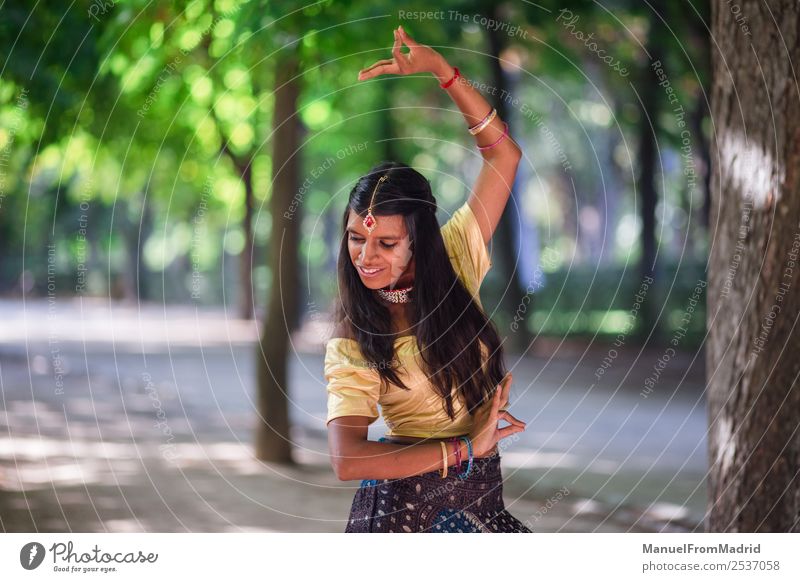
[[428, 503]]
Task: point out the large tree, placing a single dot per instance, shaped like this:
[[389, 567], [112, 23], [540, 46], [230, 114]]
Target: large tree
[[273, 441], [754, 273]]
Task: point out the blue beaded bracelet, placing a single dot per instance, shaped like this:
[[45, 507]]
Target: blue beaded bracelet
[[467, 440]]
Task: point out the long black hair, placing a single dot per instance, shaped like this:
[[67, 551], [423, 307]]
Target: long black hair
[[449, 325]]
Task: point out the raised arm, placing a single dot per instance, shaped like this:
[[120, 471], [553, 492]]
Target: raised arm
[[493, 185]]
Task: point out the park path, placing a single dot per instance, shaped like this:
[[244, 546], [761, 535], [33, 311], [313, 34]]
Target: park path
[[120, 418]]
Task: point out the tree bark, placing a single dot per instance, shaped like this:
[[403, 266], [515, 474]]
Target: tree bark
[[754, 273], [244, 168], [273, 441], [246, 307]]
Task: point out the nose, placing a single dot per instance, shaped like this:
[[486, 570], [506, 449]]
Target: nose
[[369, 252]]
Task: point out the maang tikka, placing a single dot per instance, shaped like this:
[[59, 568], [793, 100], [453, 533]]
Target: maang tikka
[[369, 221]]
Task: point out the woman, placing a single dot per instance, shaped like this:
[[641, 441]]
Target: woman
[[411, 335]]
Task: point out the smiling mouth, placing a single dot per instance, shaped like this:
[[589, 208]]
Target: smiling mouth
[[369, 272]]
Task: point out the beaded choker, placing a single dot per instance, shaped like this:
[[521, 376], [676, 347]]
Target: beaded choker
[[396, 295]]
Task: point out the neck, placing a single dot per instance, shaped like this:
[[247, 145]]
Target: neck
[[401, 318], [402, 283]]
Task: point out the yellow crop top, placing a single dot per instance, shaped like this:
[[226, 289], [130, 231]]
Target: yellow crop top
[[355, 389]]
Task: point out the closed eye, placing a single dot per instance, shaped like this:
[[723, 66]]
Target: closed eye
[[385, 245]]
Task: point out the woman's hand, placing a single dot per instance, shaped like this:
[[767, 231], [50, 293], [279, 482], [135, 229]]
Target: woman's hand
[[485, 434], [421, 59]]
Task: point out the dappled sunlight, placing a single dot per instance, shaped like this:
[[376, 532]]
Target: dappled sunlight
[[181, 427], [751, 169]]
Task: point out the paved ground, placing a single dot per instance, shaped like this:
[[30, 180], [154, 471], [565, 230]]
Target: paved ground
[[126, 419]]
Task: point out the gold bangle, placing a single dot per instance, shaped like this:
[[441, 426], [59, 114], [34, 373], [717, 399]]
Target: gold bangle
[[481, 125], [443, 472]]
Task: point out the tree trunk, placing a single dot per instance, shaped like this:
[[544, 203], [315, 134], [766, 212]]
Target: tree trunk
[[614, 188], [646, 178], [136, 233], [246, 307], [506, 253], [696, 118], [244, 168], [754, 275], [273, 441], [700, 38]]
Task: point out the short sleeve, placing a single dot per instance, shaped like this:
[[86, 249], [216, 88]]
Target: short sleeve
[[466, 249], [353, 389]]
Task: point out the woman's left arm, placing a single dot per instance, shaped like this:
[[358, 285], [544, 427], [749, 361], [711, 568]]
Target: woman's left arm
[[493, 185]]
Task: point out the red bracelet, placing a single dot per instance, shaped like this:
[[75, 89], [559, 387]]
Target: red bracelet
[[456, 74]]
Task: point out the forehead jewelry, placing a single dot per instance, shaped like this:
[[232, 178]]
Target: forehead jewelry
[[369, 221]]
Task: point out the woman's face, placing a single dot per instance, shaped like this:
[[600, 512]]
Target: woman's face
[[385, 253]]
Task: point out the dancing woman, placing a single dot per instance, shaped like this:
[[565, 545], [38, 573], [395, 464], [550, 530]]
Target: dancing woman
[[412, 336]]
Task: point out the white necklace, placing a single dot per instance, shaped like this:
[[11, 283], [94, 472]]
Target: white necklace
[[396, 295]]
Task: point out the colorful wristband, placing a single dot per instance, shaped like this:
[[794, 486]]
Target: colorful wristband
[[467, 471]]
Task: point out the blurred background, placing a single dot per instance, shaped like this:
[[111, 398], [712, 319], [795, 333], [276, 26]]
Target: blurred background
[[172, 180]]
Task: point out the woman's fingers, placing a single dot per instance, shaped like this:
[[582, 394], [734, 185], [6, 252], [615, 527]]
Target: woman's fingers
[[504, 390], [410, 42], [501, 391], [505, 415], [380, 68], [396, 65], [500, 394], [377, 64], [398, 55], [497, 398], [506, 386], [509, 430]]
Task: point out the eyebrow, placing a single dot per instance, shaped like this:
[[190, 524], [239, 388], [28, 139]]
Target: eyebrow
[[352, 231]]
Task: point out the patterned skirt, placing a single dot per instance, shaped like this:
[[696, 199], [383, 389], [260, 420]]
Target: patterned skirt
[[428, 503]]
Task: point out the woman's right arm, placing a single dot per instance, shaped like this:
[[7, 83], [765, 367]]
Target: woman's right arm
[[353, 456]]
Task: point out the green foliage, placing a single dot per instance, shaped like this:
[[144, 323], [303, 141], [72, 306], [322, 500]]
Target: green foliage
[[149, 113], [604, 302]]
